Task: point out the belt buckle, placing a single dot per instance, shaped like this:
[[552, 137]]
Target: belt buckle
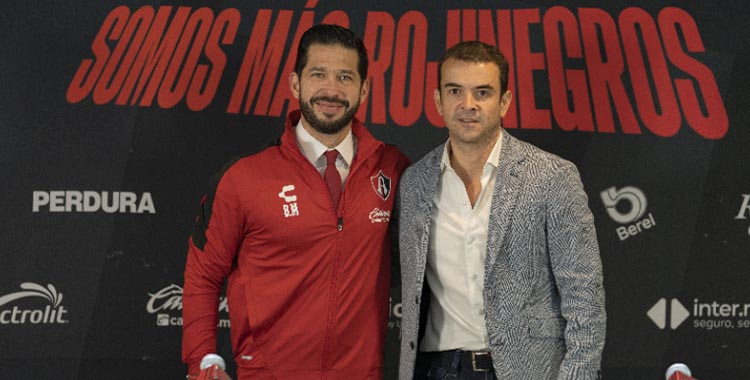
[[474, 361]]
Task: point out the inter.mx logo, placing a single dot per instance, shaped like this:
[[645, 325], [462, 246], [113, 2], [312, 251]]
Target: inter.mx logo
[[675, 313], [627, 206], [706, 315]]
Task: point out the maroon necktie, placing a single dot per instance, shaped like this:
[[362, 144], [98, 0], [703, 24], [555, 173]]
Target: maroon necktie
[[332, 177]]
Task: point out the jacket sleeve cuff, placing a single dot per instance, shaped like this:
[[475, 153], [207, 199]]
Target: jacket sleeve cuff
[[194, 367], [580, 373]]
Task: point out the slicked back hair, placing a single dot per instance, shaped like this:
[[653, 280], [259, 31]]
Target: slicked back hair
[[329, 34], [479, 52]]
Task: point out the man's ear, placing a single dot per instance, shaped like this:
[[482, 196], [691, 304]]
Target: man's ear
[[364, 91], [505, 102], [294, 84], [438, 101]]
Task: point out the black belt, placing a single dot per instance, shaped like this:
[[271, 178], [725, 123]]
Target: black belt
[[476, 361]]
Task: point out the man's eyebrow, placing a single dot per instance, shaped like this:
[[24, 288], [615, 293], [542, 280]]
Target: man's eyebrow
[[484, 87], [323, 69], [480, 87]]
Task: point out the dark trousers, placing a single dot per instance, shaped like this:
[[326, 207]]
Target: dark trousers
[[455, 365]]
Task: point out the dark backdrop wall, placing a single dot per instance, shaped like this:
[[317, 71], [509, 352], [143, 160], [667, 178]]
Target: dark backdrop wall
[[115, 114]]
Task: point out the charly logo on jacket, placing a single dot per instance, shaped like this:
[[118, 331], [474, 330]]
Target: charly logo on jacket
[[290, 207], [381, 184]]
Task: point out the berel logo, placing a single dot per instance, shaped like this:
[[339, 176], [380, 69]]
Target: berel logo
[[52, 313], [637, 202], [290, 207], [395, 312]]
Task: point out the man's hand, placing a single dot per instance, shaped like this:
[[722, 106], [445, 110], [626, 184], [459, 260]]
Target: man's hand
[[213, 372], [212, 368]]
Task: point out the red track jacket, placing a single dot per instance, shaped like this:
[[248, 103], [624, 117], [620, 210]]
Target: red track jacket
[[308, 285]]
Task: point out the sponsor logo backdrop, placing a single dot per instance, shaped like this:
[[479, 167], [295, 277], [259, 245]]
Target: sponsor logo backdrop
[[116, 114]]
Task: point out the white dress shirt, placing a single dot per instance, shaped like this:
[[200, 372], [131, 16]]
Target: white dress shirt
[[314, 151], [455, 260]]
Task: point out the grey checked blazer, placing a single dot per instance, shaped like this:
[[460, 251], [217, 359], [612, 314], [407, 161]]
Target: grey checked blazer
[[543, 290]]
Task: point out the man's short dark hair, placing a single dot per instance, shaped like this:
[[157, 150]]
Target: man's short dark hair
[[476, 51], [328, 34]]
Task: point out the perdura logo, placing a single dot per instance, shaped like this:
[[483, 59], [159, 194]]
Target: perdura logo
[[167, 302], [92, 201], [51, 313], [706, 315], [615, 201]]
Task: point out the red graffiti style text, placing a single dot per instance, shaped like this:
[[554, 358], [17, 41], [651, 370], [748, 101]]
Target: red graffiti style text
[[580, 70]]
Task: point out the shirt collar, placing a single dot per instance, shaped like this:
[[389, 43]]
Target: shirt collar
[[313, 149], [493, 159]]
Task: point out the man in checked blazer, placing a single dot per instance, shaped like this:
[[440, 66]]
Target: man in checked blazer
[[501, 274]]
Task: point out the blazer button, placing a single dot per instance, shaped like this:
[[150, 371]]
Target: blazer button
[[497, 341], [411, 345]]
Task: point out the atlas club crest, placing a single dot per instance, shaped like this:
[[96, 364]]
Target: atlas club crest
[[381, 184]]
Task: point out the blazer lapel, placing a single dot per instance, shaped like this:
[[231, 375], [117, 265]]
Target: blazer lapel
[[430, 179], [504, 196]]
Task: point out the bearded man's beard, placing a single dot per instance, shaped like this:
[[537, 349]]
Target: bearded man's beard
[[325, 126]]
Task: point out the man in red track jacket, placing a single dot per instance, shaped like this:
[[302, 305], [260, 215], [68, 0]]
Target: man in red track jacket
[[308, 268]]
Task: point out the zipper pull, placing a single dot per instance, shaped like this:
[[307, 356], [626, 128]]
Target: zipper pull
[[340, 224]]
